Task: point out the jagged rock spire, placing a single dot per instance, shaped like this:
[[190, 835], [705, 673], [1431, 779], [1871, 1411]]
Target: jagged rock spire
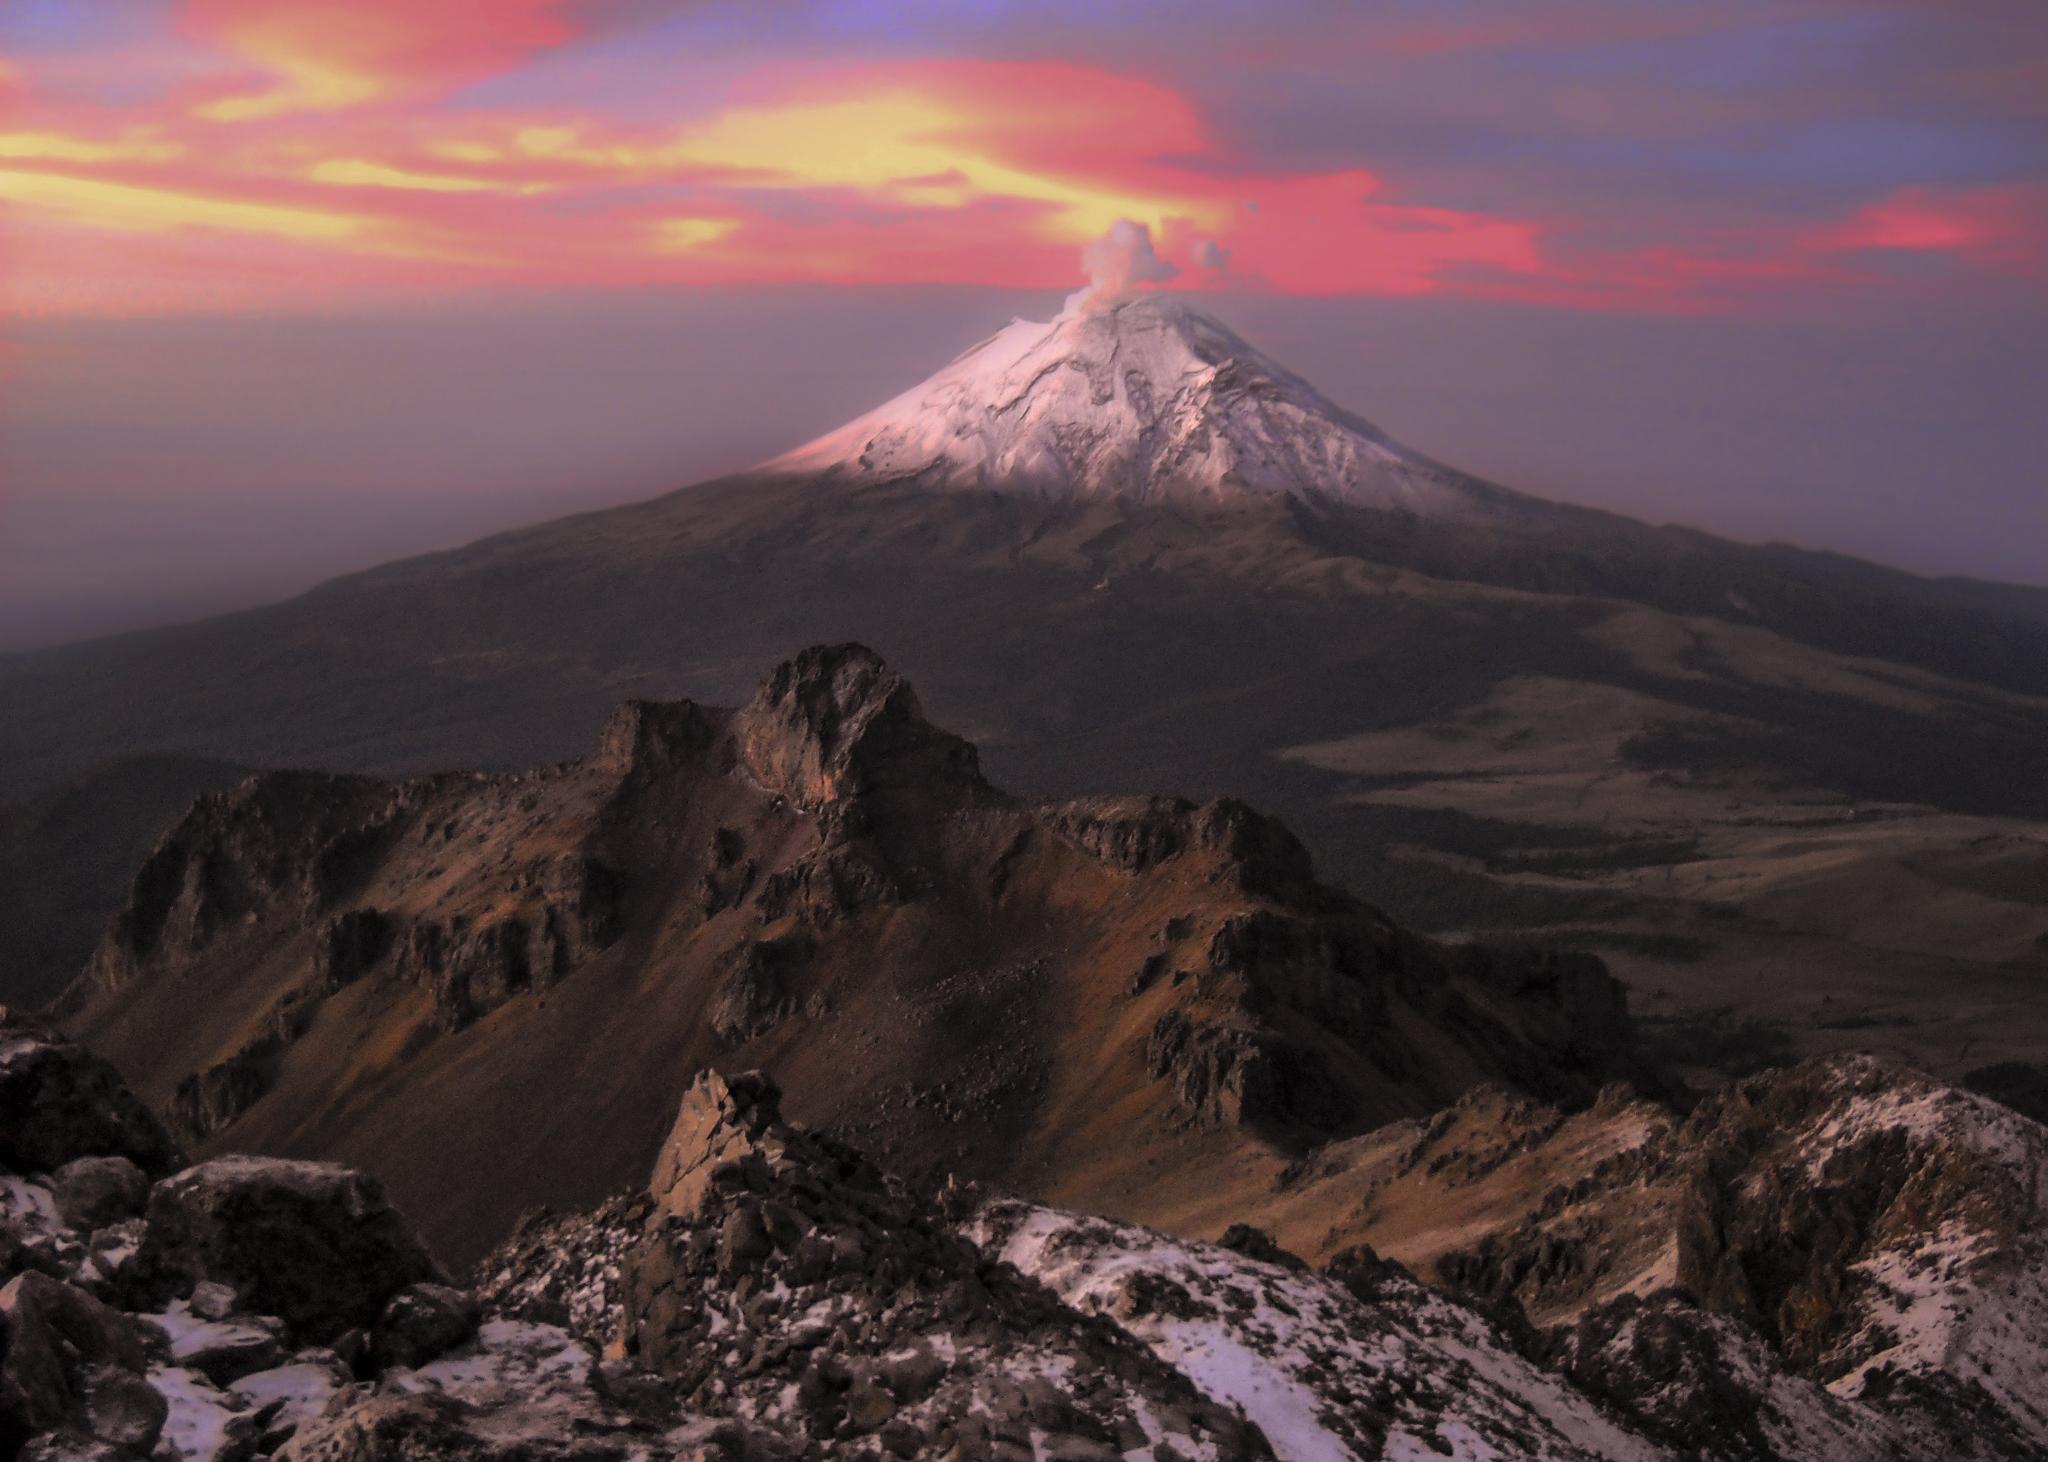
[[835, 722]]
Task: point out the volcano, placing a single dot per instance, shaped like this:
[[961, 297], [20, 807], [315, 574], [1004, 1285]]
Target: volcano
[[1143, 398]]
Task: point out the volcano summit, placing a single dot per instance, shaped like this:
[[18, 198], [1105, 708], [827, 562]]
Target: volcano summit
[[1141, 397]]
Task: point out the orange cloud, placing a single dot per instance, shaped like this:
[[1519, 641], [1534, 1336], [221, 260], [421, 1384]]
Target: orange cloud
[[125, 207], [54, 146], [329, 55], [937, 136], [344, 169]]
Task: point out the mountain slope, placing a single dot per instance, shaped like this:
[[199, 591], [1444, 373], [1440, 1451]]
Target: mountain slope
[[1352, 1358]]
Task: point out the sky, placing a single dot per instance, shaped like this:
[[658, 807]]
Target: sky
[[291, 286]]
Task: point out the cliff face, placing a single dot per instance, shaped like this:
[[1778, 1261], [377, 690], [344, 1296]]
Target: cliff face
[[499, 976]]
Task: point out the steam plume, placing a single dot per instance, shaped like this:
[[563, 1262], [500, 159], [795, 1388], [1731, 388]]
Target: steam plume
[[1117, 263]]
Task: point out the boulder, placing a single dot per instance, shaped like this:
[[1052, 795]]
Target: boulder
[[422, 1322], [212, 1300], [1256, 1243], [123, 1410], [315, 1244], [93, 1192], [60, 1343], [58, 1102]]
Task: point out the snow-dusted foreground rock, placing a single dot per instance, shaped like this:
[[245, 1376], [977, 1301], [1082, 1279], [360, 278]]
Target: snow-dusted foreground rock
[[1855, 1268], [1356, 1361], [777, 1277], [246, 1307], [1861, 1228]]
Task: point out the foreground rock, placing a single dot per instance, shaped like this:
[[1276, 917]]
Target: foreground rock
[[252, 1306], [314, 1244], [775, 1276], [1358, 1361], [767, 1265], [774, 1295]]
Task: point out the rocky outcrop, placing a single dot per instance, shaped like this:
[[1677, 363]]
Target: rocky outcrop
[[349, 946], [1884, 1237], [469, 969], [299, 837], [646, 741], [1232, 1076], [1137, 834], [1707, 1385], [1281, 1003], [209, 1100], [1826, 1196], [721, 1123], [759, 988], [835, 724], [774, 1274]]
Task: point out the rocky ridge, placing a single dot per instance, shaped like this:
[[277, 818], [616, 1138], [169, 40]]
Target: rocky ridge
[[777, 1276], [822, 880]]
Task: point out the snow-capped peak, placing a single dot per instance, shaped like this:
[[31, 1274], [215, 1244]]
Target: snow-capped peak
[[1145, 398]]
